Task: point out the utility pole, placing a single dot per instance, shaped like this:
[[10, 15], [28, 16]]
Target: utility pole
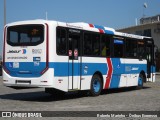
[[144, 7], [143, 16], [4, 12]]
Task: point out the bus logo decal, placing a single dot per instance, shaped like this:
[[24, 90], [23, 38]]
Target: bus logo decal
[[36, 51], [36, 61], [135, 68], [75, 52], [15, 64], [13, 51], [70, 52], [24, 51], [10, 64], [85, 69]]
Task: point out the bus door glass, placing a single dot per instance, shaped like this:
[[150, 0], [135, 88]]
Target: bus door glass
[[74, 59], [150, 59]]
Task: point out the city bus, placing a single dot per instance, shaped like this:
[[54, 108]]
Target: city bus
[[66, 57]]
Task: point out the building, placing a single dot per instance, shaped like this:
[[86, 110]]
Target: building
[[0, 65], [149, 26]]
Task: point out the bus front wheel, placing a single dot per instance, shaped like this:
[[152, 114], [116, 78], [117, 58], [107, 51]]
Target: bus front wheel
[[96, 85]]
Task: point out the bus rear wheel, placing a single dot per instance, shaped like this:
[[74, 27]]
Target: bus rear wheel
[[96, 85], [140, 81]]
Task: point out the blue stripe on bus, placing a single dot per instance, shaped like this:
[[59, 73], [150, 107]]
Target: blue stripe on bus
[[85, 69], [99, 27], [61, 69], [115, 81], [109, 32], [106, 31]]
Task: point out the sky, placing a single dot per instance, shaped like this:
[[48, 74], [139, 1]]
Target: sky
[[110, 13]]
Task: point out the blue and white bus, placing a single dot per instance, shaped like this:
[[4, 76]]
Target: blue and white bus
[[61, 56]]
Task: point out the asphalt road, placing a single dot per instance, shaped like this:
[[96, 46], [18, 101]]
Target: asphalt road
[[128, 99]]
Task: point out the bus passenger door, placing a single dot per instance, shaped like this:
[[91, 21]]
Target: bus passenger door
[[74, 59], [150, 61]]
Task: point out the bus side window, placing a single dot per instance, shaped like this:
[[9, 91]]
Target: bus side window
[[141, 51], [118, 48], [87, 44], [148, 54], [96, 44], [131, 48], [105, 46], [61, 42]]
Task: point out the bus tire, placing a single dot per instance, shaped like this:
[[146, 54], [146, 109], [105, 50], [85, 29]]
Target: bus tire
[[96, 85], [140, 81]]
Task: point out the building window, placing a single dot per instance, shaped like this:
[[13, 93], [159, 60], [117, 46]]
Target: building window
[[147, 33], [139, 33]]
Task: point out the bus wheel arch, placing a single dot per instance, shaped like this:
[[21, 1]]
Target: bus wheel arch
[[96, 85]]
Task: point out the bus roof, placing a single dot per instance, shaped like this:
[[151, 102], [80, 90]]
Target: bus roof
[[81, 25]]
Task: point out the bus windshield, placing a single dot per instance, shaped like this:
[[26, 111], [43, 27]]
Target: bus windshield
[[25, 35]]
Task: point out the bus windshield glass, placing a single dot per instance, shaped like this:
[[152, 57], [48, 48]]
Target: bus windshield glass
[[25, 35]]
